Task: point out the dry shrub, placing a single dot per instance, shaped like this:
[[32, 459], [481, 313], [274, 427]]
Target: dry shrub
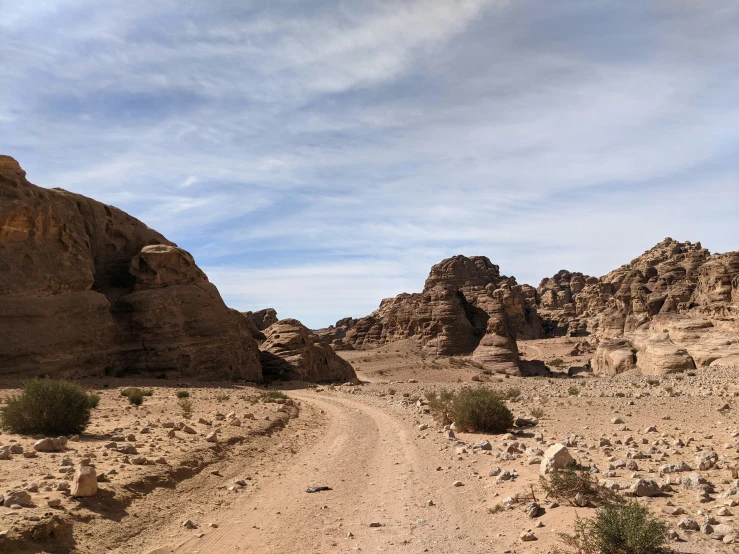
[[49, 407]]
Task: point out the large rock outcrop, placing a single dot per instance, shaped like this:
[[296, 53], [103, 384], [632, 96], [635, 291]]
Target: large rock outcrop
[[291, 351], [466, 306], [673, 308], [86, 289]]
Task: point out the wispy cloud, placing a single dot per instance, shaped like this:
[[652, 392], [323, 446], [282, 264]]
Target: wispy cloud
[[286, 143]]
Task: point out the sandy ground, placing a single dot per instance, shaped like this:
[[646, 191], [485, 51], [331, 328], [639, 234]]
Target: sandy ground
[[367, 443]]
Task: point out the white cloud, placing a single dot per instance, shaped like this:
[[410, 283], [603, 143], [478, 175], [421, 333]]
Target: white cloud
[[280, 143]]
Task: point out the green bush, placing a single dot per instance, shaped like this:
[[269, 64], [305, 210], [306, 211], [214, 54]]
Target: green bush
[[136, 397], [93, 399], [481, 410], [148, 392], [183, 394], [619, 528], [49, 407]]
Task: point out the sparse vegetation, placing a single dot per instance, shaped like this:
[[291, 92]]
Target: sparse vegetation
[[222, 397], [185, 406], [477, 378], [391, 392], [183, 394], [573, 391], [441, 406], [481, 410], [691, 374], [564, 484], [511, 393], [48, 406], [624, 527], [620, 395], [136, 397], [652, 382], [537, 412], [708, 361], [148, 392], [557, 362], [272, 395]]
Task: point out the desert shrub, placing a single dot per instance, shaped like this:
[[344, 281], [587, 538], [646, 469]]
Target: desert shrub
[[652, 382], [481, 410], [511, 393], [272, 395], [537, 412], [129, 390], [48, 406], [441, 406], [222, 397], [573, 391], [148, 392], [476, 378], [669, 390], [691, 373], [557, 362], [136, 397], [708, 361], [487, 371], [391, 392], [183, 394], [624, 527], [566, 483], [93, 399], [620, 395], [185, 406], [406, 394]]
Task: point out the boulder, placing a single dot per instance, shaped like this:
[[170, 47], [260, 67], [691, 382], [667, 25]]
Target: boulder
[[292, 351], [84, 482], [20, 498], [48, 445], [555, 457]]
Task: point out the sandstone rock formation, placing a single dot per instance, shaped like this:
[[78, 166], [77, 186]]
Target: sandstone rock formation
[[292, 351], [86, 289], [466, 306], [673, 308], [259, 321]]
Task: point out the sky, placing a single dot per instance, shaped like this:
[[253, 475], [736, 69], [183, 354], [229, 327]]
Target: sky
[[317, 156]]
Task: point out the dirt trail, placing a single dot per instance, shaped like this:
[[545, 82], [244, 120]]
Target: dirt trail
[[379, 472]]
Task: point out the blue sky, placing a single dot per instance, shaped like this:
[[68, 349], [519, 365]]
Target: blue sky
[[317, 156]]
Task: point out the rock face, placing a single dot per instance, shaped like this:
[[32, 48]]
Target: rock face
[[292, 351], [673, 308], [86, 289], [466, 306], [259, 321]]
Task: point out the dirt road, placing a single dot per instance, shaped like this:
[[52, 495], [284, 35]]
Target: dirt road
[[381, 472]]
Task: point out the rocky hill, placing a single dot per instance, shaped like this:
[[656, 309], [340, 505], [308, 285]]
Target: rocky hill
[[673, 308], [86, 289], [466, 307]]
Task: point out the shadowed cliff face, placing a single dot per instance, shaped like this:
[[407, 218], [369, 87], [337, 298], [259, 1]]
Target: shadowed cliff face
[[86, 289]]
